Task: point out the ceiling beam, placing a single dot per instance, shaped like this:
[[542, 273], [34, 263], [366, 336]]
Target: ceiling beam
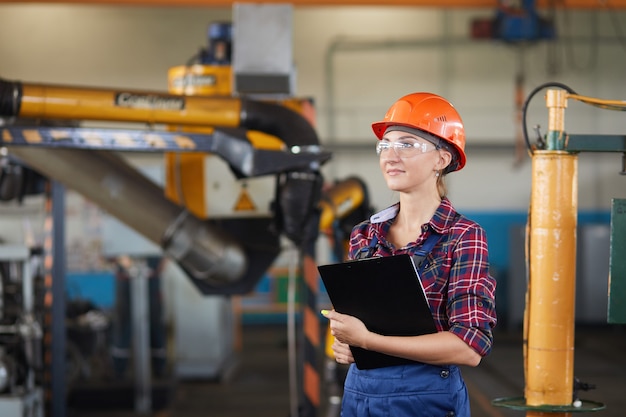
[[570, 4]]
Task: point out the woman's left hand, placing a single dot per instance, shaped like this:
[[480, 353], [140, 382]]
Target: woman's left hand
[[342, 352], [348, 329]]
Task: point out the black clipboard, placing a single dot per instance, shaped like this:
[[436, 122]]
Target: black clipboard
[[386, 294]]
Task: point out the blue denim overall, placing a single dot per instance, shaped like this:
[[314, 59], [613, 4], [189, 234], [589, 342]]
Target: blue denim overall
[[413, 390]]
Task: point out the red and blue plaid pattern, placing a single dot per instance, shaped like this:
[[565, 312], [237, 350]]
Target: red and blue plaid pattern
[[456, 278]]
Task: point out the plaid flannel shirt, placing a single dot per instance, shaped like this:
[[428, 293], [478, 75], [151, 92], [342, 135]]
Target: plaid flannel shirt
[[456, 278]]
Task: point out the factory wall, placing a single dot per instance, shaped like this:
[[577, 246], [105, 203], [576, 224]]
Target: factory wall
[[354, 62]]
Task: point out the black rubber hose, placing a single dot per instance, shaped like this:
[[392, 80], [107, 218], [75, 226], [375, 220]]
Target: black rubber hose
[[529, 98], [10, 98], [291, 127]]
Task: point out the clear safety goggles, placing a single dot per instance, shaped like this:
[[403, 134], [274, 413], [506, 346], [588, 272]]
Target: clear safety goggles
[[405, 148]]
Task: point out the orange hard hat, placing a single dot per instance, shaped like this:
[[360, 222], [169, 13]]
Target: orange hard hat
[[428, 113]]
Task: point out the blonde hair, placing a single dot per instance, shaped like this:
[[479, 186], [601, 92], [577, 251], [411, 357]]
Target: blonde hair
[[441, 185]]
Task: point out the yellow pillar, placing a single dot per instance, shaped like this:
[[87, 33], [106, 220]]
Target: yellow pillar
[[552, 254], [550, 355]]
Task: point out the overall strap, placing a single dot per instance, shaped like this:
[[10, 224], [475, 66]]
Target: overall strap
[[368, 251], [420, 254]]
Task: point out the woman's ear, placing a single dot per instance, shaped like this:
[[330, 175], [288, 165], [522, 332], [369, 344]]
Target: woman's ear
[[445, 158]]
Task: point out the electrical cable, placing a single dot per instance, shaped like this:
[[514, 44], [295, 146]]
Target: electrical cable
[[619, 105], [527, 102], [195, 58]]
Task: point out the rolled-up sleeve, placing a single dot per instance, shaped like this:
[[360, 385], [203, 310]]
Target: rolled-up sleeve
[[471, 292]]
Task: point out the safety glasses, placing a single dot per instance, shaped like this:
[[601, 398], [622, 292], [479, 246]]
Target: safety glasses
[[405, 148]]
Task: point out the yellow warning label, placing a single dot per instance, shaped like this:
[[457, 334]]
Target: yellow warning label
[[244, 202]]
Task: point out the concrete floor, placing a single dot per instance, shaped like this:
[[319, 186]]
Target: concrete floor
[[600, 359], [259, 384]]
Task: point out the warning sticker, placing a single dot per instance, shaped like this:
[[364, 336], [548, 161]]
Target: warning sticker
[[244, 202]]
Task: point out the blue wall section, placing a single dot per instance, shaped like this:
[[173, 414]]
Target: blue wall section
[[97, 287], [498, 227], [266, 303]]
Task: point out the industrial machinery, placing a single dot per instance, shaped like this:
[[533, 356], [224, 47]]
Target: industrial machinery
[[551, 387], [515, 23], [21, 355], [198, 121]]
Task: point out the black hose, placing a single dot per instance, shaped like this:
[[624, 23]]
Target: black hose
[[291, 127], [530, 96], [10, 98]]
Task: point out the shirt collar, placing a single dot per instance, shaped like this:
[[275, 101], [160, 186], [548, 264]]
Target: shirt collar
[[441, 222], [386, 214]]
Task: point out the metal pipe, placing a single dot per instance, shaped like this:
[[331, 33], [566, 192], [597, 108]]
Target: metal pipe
[[490, 4], [550, 356], [346, 45], [207, 253], [139, 273], [340, 200], [55, 300], [77, 103], [552, 283], [556, 101]]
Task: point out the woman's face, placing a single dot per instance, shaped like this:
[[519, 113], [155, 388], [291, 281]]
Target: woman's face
[[409, 162]]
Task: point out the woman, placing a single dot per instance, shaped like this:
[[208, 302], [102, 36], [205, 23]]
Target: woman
[[421, 139]]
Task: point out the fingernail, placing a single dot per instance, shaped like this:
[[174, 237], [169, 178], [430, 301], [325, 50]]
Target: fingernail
[[324, 312]]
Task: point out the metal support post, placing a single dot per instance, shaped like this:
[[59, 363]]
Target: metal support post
[[549, 320], [139, 274], [54, 248]]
